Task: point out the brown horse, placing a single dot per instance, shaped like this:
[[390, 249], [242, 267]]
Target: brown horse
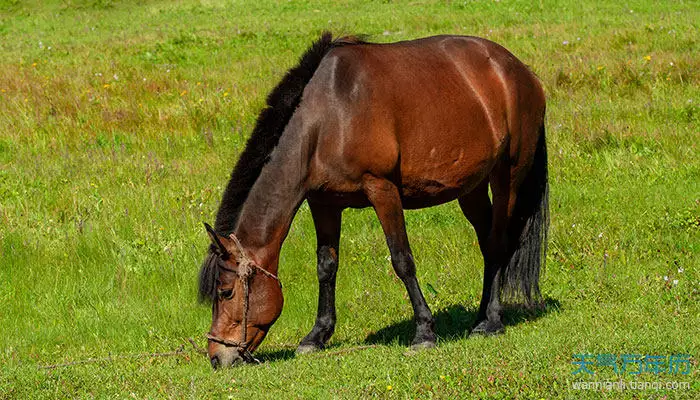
[[404, 125]]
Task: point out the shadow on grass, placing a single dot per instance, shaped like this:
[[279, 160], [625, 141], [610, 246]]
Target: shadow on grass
[[451, 323], [276, 355], [455, 322], [289, 353]]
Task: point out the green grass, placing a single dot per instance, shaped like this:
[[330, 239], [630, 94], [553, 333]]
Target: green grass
[[119, 126]]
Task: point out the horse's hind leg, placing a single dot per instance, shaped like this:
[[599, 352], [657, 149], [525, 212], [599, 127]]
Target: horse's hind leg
[[491, 224], [386, 201], [476, 206], [327, 223]]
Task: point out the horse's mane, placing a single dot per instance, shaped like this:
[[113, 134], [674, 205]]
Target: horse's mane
[[274, 117]]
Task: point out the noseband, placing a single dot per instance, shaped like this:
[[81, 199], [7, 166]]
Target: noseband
[[246, 270]]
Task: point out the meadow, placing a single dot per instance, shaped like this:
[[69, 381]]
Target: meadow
[[120, 123]]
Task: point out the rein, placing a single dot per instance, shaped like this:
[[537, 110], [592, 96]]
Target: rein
[[245, 272]]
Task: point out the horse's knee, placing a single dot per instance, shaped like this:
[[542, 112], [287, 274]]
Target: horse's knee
[[327, 264], [403, 265]]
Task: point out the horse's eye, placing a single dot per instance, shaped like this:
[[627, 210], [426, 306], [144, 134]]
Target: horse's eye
[[226, 294]]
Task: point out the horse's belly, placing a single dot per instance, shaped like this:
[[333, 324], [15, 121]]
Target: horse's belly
[[418, 189], [441, 182]]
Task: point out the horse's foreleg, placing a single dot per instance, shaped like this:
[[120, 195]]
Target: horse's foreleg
[[386, 201], [327, 224]]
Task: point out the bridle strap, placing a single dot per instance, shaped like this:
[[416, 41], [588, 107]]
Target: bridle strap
[[254, 267], [223, 341], [244, 325]]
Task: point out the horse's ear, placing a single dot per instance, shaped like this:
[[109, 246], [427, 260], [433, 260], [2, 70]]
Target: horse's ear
[[217, 241], [237, 249]]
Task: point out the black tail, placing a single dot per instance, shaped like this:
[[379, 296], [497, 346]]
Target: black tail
[[529, 223]]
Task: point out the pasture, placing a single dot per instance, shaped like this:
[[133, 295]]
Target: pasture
[[120, 124]]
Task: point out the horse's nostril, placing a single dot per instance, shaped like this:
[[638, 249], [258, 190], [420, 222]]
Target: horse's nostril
[[215, 362]]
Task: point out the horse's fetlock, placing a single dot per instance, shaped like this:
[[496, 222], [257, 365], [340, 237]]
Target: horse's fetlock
[[326, 322]]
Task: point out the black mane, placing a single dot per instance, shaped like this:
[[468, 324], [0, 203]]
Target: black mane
[[281, 104], [274, 117], [208, 275]]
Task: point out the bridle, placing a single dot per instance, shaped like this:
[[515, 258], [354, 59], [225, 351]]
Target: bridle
[[245, 272]]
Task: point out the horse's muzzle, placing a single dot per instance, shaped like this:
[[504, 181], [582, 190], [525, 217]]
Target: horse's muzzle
[[231, 356], [227, 357]]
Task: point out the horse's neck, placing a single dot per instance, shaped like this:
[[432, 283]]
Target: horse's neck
[[275, 197]]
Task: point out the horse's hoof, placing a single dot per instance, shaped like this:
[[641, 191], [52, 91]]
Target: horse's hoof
[[307, 349], [422, 345], [488, 328]]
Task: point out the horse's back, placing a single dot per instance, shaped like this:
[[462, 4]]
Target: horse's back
[[434, 114]]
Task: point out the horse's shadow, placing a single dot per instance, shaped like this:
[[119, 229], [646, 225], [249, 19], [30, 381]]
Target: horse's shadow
[[451, 323], [455, 322], [276, 355]]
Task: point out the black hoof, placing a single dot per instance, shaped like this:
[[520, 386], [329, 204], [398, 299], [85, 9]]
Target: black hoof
[[308, 348], [488, 328], [423, 345]]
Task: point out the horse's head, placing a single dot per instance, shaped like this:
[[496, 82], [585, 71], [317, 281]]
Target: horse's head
[[246, 299]]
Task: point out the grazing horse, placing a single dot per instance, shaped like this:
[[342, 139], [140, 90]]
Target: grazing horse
[[393, 126]]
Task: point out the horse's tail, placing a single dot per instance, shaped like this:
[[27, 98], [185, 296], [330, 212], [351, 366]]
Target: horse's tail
[[529, 225]]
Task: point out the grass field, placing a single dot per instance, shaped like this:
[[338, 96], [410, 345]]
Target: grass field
[[119, 126]]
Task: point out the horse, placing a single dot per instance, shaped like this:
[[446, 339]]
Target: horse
[[394, 126]]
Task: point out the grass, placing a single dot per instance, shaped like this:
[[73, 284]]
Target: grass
[[120, 123]]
